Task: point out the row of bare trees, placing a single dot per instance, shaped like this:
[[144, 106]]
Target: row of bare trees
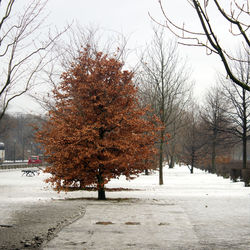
[[213, 132], [200, 135], [224, 117]]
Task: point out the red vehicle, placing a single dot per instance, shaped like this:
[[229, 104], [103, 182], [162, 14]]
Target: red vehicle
[[34, 159]]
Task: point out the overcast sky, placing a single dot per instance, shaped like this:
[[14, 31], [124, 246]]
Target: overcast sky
[[131, 18]]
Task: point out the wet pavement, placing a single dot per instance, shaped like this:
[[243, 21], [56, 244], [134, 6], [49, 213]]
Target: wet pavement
[[128, 225], [177, 224]]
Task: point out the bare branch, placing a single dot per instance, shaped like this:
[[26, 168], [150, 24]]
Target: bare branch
[[213, 45], [23, 53], [7, 12], [233, 21]]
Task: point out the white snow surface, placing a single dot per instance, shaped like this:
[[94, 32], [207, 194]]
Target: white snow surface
[[202, 210], [178, 183]]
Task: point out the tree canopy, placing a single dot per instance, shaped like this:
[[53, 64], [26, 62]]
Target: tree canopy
[[97, 130]]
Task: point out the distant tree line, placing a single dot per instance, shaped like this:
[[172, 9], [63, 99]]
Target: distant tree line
[[17, 133]]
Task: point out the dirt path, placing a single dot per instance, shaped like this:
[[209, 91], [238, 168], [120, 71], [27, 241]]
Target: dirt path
[[37, 223]]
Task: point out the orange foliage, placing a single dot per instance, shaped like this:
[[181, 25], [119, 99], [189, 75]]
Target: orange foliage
[[97, 130]]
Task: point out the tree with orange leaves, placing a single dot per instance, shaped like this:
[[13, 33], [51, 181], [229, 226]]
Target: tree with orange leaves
[[97, 130]]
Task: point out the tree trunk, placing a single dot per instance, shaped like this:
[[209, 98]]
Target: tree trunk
[[101, 193], [244, 141], [172, 162], [192, 162], [192, 169], [213, 167], [213, 156], [82, 184], [161, 160], [100, 188], [244, 136]]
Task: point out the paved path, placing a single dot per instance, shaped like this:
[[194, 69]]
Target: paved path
[[190, 212], [129, 225], [152, 224]]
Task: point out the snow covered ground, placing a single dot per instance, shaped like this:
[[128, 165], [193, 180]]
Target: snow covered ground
[[16, 191], [199, 211]]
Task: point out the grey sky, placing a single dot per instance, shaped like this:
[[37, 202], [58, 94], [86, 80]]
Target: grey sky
[[131, 18]]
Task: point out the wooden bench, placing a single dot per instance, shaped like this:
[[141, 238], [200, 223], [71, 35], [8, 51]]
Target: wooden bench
[[30, 172]]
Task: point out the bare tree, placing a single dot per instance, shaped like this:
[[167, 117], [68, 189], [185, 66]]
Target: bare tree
[[234, 12], [23, 48], [174, 128], [216, 124], [193, 139], [240, 103], [164, 83]]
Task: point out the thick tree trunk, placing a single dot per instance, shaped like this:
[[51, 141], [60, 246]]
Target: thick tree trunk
[[81, 184], [101, 194], [100, 188]]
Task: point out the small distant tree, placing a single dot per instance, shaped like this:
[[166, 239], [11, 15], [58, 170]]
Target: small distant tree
[[216, 125], [239, 100], [192, 141], [97, 130]]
